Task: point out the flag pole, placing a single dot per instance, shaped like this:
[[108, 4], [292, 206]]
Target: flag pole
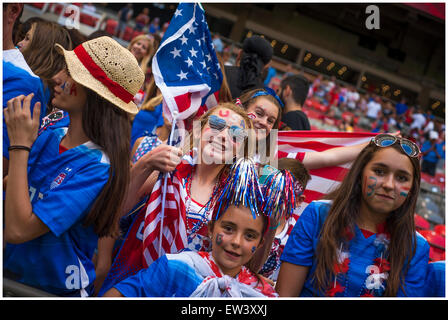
[[170, 141]]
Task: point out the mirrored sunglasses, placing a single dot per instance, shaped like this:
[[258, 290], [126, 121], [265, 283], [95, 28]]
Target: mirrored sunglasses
[[236, 133], [386, 140]]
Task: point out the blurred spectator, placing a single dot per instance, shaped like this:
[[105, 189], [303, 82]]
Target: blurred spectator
[[431, 152], [226, 56], [164, 28], [142, 20], [89, 7], [401, 107], [418, 120], [255, 55], [374, 108], [154, 27], [352, 98], [124, 15], [217, 43], [270, 73], [289, 71], [294, 90]]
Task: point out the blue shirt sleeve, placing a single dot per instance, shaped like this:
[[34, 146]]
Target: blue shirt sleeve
[[16, 82], [301, 244], [163, 278], [63, 206], [414, 282]]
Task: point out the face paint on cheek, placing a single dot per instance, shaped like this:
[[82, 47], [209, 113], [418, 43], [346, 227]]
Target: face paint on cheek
[[371, 187], [253, 249], [218, 240], [73, 91], [251, 115], [405, 192]]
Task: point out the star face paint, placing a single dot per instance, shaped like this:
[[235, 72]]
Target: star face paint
[[218, 240]]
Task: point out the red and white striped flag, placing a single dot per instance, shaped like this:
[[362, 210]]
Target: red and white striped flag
[[292, 144], [174, 233]]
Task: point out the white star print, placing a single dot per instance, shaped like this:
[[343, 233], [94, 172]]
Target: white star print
[[182, 75], [193, 52], [189, 62], [192, 29], [178, 12], [184, 39], [176, 52]]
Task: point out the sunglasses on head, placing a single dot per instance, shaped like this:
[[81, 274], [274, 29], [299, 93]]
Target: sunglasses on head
[[268, 92], [386, 140], [236, 133]]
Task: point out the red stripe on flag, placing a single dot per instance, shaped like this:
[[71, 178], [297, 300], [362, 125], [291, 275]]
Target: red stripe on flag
[[324, 134], [183, 101], [311, 195], [334, 173]]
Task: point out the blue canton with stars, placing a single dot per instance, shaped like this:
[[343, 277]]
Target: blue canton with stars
[[188, 57]]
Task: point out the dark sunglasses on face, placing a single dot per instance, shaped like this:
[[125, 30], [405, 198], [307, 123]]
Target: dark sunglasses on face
[[236, 133], [386, 140]]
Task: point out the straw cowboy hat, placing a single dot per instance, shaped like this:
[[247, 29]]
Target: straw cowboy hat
[[106, 67]]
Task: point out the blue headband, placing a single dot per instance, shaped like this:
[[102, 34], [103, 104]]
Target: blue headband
[[268, 92]]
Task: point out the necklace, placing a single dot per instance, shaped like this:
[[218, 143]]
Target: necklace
[[377, 273], [191, 232]]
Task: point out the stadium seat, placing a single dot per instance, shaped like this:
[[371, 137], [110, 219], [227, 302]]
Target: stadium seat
[[434, 239], [38, 5], [440, 229], [88, 19], [436, 254], [127, 36], [111, 26], [421, 223]]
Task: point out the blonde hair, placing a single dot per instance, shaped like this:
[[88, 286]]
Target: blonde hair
[[239, 111], [149, 52]]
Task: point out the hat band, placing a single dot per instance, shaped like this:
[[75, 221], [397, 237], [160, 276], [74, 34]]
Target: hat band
[[101, 76]]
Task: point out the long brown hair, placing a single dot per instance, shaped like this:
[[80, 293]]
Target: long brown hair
[[110, 128], [344, 212], [41, 54]]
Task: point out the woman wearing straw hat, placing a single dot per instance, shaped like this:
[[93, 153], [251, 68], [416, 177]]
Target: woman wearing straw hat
[[66, 186]]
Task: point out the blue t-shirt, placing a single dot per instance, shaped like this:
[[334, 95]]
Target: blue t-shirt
[[63, 188], [145, 123], [17, 81], [301, 247], [431, 156], [401, 108], [435, 279]]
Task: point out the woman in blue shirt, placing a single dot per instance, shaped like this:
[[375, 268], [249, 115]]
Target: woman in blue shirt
[[363, 241], [66, 186]]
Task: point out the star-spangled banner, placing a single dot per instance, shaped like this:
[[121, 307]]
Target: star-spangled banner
[[185, 66]]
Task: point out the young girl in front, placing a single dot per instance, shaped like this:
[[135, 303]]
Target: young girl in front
[[236, 231], [361, 242]]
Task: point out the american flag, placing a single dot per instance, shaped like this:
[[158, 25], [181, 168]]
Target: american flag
[[174, 233], [187, 72], [185, 66], [292, 143]]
